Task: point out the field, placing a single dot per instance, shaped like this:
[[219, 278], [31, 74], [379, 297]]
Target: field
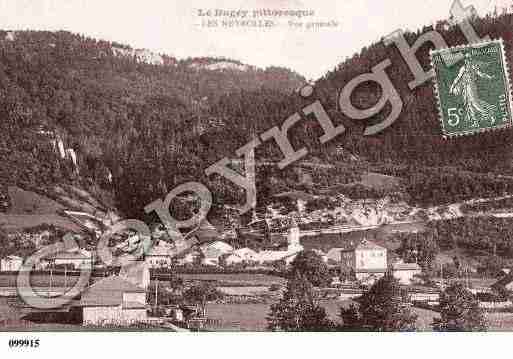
[[42, 280], [28, 202], [29, 209], [38, 280], [252, 317], [223, 280], [379, 181], [19, 222], [240, 279]]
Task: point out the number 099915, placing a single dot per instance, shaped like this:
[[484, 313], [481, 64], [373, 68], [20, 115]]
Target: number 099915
[[24, 343]]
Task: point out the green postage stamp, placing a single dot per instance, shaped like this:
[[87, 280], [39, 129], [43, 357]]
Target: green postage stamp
[[473, 88]]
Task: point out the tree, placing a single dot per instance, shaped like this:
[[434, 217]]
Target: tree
[[202, 293], [351, 319], [492, 266], [419, 248], [198, 260], [4, 244], [383, 308], [459, 311], [298, 309], [310, 265]]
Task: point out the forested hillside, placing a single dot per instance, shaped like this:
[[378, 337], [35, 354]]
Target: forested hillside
[[416, 136], [116, 112], [156, 126]]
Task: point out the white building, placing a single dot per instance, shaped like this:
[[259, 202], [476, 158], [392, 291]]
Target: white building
[[159, 255], [188, 256], [406, 272], [242, 255], [11, 264], [367, 260], [213, 251], [77, 259], [113, 301]]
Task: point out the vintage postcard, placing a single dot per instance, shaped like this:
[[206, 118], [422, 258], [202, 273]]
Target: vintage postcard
[[255, 166]]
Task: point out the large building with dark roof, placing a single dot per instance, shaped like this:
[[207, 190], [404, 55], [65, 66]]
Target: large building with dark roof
[[115, 301]]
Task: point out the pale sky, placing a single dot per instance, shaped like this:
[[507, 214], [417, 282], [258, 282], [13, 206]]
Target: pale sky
[[171, 26]]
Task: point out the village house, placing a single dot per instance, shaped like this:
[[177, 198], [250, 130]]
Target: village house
[[406, 272], [367, 260], [241, 255], [214, 251], [11, 264], [115, 301], [188, 256], [76, 259], [159, 255]]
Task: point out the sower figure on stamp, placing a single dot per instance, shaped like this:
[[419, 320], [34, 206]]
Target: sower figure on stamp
[[465, 85]]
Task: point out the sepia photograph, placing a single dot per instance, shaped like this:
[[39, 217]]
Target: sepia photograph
[[255, 166]]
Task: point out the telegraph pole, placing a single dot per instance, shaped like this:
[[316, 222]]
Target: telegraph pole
[[156, 296], [442, 276], [51, 280]]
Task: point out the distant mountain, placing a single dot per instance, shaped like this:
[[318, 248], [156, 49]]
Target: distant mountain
[[150, 122]]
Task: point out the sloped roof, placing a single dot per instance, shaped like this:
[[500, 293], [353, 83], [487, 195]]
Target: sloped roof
[[216, 249], [503, 281], [161, 249], [406, 266], [220, 246], [334, 253], [12, 258], [371, 270], [133, 305], [272, 256], [364, 244], [137, 273], [108, 292], [115, 283], [70, 255]]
